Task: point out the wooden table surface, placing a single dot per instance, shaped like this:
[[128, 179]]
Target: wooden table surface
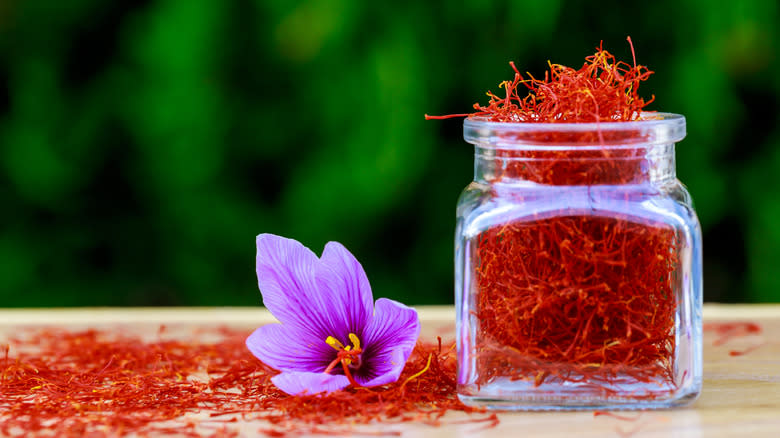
[[741, 394]]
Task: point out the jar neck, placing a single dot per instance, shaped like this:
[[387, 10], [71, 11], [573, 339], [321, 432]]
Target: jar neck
[[605, 165]]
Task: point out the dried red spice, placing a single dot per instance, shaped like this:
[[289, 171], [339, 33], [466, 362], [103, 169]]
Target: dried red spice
[[748, 350], [91, 383], [619, 430], [577, 298], [727, 331], [730, 330], [616, 416], [602, 90], [586, 298]]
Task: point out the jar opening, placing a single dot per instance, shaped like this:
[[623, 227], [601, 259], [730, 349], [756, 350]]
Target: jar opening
[[651, 128]]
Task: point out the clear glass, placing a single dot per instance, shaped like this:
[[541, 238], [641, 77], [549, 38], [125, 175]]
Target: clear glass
[[578, 268]]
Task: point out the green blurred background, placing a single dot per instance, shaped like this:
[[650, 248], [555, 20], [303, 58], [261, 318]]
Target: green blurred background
[[144, 144]]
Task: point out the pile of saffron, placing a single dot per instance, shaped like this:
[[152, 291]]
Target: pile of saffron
[[577, 299], [602, 90], [93, 383], [583, 297]]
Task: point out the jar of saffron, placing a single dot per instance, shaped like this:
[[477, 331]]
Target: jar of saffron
[[578, 268]]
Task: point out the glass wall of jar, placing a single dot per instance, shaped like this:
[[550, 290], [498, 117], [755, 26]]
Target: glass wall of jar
[[578, 268]]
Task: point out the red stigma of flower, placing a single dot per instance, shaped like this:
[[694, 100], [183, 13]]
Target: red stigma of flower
[[349, 356]]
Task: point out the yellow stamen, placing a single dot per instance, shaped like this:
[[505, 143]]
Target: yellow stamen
[[355, 341], [335, 343]]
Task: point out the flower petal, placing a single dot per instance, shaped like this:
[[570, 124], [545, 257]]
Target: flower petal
[[390, 338], [387, 367], [302, 383], [296, 287], [353, 291], [286, 348]]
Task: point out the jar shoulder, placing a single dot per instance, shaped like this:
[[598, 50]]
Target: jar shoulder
[[679, 192], [481, 206], [473, 196]]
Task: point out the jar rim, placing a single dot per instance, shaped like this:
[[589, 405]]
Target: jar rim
[[651, 128]]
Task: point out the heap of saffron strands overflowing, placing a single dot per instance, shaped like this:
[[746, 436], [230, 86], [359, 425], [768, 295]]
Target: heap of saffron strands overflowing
[[91, 383], [602, 90], [578, 297]]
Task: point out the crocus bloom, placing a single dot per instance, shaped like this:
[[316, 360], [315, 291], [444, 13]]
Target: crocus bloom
[[331, 332]]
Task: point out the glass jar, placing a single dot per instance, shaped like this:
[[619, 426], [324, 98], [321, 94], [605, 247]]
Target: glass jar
[[578, 268]]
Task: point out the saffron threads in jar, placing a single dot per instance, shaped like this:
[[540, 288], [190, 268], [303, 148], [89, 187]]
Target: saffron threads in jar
[[90, 383], [577, 248], [577, 299]]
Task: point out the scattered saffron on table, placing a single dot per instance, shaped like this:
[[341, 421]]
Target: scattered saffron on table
[[622, 417], [748, 350], [727, 331], [92, 383], [616, 416], [583, 297], [628, 433]]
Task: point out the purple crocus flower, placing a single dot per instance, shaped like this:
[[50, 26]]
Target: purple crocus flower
[[331, 333]]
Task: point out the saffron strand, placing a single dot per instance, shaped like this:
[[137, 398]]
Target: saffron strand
[[92, 383]]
